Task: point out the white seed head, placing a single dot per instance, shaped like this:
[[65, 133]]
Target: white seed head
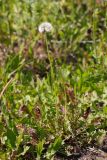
[[45, 27]]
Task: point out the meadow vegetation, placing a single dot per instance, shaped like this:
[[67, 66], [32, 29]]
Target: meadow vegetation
[[53, 84]]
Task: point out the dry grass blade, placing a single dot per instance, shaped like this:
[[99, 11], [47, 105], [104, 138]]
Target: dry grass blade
[[5, 87]]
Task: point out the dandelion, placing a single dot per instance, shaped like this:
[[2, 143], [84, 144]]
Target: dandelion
[[45, 27]]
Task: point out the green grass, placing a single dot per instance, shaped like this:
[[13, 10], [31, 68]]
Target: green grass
[[59, 101]]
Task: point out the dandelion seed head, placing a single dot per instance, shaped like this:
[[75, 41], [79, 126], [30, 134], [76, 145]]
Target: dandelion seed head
[[45, 27]]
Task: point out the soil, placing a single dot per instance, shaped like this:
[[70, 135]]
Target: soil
[[94, 154], [89, 153]]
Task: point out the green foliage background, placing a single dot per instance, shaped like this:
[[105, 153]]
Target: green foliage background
[[46, 101]]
